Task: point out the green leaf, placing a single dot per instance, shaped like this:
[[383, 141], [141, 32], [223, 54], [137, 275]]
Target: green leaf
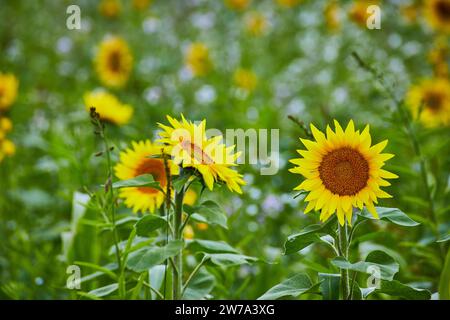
[[104, 291], [307, 236], [229, 259], [208, 212], [144, 180], [294, 287], [393, 215], [444, 238], [444, 282], [105, 270], [146, 258], [156, 278], [148, 224], [398, 289], [210, 246], [201, 284], [330, 285], [376, 259]]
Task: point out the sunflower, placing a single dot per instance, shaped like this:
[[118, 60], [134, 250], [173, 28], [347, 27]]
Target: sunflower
[[256, 24], [342, 171], [110, 8], [238, 5], [197, 59], [109, 107], [429, 101], [358, 11], [437, 13], [8, 90], [5, 125], [210, 157], [331, 14], [438, 57], [7, 148], [114, 62], [137, 161], [245, 79]]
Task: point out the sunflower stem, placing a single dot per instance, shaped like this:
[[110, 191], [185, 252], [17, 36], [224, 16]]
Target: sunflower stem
[[343, 251], [177, 283]]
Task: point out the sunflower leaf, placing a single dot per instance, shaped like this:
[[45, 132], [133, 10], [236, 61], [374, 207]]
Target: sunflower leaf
[[294, 287], [378, 264], [210, 246], [208, 212], [144, 180], [393, 215], [398, 289], [228, 259], [144, 259], [148, 224], [330, 285]]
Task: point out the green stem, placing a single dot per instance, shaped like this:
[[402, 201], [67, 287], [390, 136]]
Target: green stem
[[194, 272], [177, 282], [343, 250]]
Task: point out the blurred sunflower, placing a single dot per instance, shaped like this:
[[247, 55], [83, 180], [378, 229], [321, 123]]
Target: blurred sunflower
[[110, 8], [190, 197], [210, 157], [7, 148], [342, 171], [238, 5], [137, 161], [245, 79], [109, 107], [437, 13], [197, 59], [114, 62], [358, 11], [188, 232], [331, 13], [5, 125], [410, 12], [141, 4], [8, 90], [438, 57], [256, 23], [429, 101], [288, 3]]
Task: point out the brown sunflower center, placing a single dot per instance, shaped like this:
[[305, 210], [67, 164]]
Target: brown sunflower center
[[443, 9], [114, 61], [344, 171], [433, 101], [155, 167]]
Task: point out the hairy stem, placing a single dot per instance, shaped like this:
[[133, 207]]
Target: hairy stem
[[177, 281], [343, 250]]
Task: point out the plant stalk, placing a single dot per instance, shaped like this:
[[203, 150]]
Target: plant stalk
[[343, 251], [177, 272]]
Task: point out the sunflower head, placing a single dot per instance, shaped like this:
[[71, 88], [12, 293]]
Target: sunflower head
[[209, 157], [437, 13], [197, 59], [256, 24], [7, 148], [8, 90], [245, 79], [429, 101], [114, 62], [342, 171], [108, 107], [110, 8], [141, 159], [358, 11]]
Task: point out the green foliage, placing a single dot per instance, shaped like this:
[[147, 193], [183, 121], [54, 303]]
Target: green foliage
[[294, 287]]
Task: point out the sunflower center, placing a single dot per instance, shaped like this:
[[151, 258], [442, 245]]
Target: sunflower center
[[344, 171], [443, 9], [433, 101], [155, 167], [114, 61]]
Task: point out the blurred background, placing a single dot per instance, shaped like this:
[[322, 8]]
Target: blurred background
[[237, 64]]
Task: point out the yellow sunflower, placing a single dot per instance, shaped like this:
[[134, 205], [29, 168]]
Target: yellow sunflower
[[197, 59], [8, 90], [110, 8], [342, 171], [429, 101], [7, 148], [358, 11], [109, 107], [256, 23], [210, 157], [437, 13], [137, 161], [238, 5], [438, 57], [245, 79], [114, 62], [5, 125]]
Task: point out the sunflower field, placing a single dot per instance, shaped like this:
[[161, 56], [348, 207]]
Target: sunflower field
[[225, 149]]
